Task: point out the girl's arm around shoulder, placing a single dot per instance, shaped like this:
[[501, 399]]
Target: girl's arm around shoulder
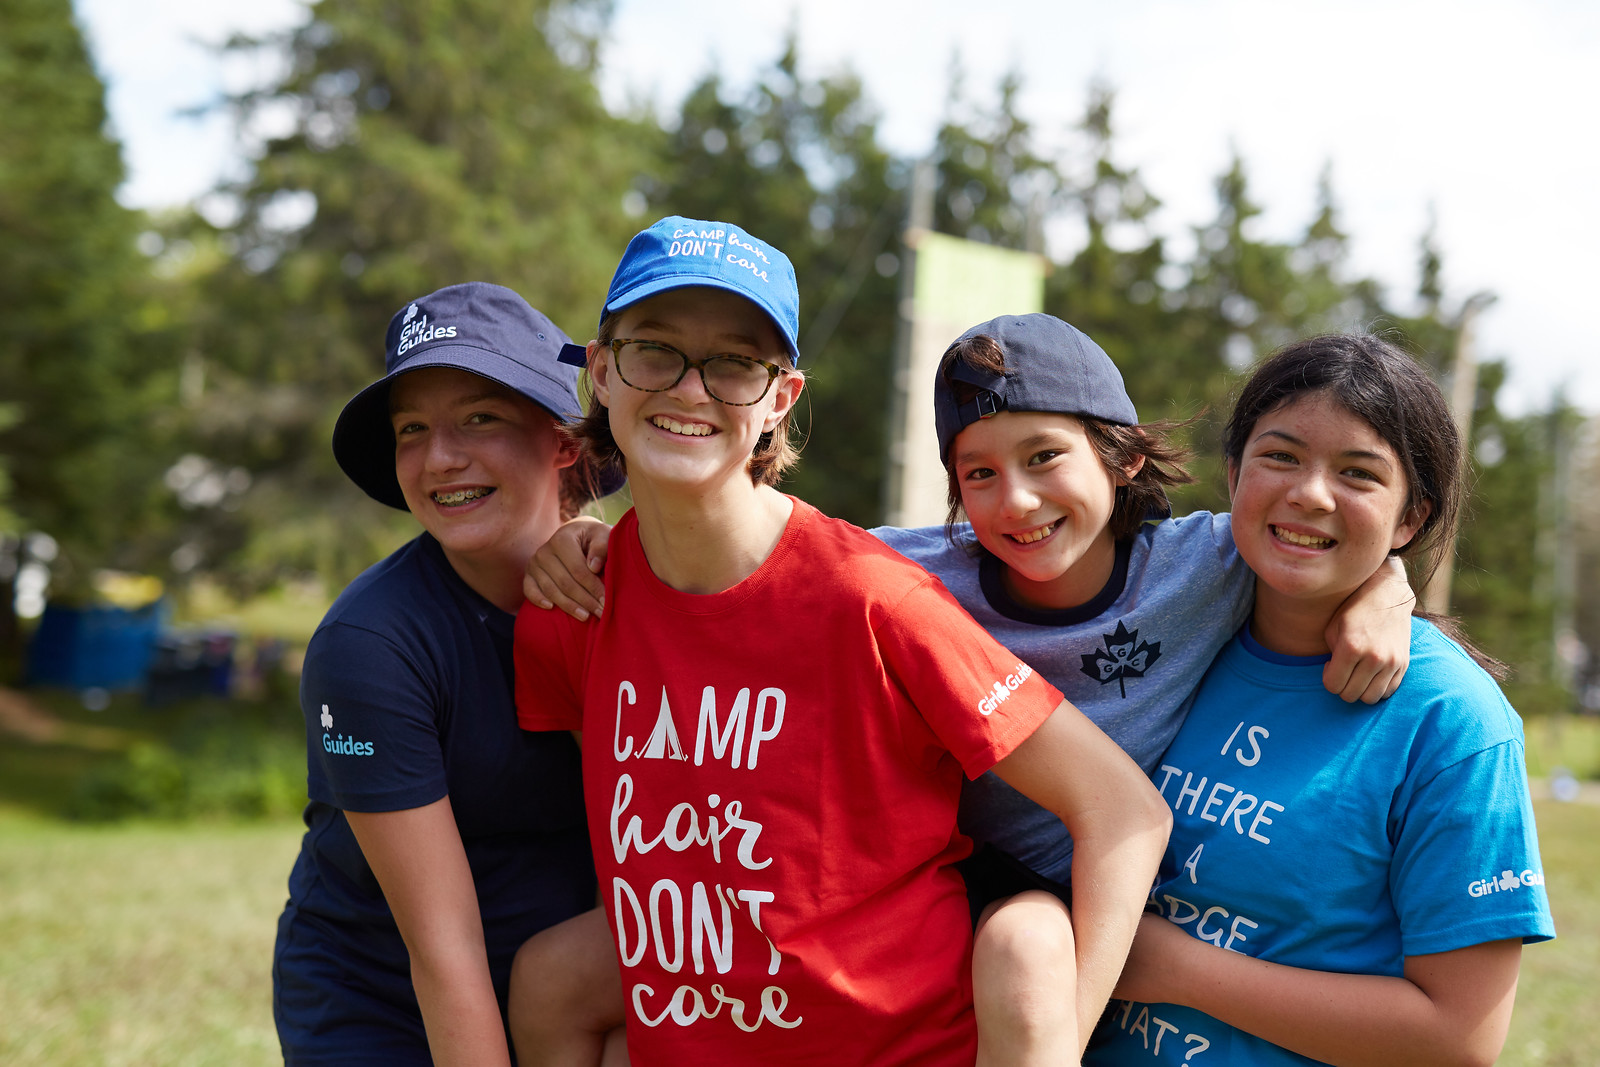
[[565, 572], [1119, 827], [1449, 1008], [1370, 637], [421, 865]]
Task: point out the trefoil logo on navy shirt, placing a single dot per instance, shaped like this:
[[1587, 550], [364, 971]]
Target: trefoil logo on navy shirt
[[1504, 882], [341, 745]]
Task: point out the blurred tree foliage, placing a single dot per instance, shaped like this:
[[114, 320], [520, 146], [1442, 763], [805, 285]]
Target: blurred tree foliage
[[86, 386], [799, 162], [172, 408], [405, 147]]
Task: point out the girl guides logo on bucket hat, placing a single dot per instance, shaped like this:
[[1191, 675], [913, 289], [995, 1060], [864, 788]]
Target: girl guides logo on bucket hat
[[478, 327]]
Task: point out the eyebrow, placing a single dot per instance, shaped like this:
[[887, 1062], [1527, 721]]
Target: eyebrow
[[1352, 453], [1034, 440], [722, 338]]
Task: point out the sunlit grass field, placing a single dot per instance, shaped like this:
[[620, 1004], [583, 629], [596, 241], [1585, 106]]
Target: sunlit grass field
[[139, 944], [150, 942], [135, 944]]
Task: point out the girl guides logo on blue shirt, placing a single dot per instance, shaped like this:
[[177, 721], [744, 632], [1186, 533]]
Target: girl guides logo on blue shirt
[[341, 745]]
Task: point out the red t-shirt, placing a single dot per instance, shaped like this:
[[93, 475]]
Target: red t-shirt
[[771, 775]]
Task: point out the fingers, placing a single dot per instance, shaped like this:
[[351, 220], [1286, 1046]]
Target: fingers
[[560, 575], [1338, 677], [560, 591], [1368, 679]]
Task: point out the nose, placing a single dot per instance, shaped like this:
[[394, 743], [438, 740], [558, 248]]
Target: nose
[[691, 388], [1019, 497], [1312, 490], [444, 452]]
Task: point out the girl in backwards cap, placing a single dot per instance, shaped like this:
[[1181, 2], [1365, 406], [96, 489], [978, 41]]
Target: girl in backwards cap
[[779, 712], [439, 836], [1058, 562]]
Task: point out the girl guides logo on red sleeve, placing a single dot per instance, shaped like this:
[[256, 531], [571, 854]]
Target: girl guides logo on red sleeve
[[1002, 689]]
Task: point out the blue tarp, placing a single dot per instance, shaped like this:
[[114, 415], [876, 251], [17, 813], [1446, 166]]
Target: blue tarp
[[99, 647]]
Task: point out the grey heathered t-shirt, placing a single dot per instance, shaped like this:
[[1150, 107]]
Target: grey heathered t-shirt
[[1129, 659]]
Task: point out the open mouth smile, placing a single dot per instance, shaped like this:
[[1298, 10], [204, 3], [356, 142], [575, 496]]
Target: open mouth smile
[[1037, 534], [1303, 540], [683, 429], [457, 497]]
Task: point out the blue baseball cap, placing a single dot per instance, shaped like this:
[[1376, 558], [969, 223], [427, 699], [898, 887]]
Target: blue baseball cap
[[478, 327], [1050, 366], [678, 252]]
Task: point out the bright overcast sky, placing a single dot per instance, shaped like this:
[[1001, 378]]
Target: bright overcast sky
[[1484, 109]]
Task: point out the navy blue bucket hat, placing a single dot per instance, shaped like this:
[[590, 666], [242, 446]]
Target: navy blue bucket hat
[[1051, 366], [478, 327]]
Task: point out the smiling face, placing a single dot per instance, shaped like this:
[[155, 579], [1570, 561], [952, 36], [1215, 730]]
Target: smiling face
[[479, 465], [1319, 500], [682, 439], [1039, 498]]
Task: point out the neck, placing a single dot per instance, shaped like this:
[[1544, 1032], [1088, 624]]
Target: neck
[[1290, 627], [1073, 587], [497, 575], [709, 543]]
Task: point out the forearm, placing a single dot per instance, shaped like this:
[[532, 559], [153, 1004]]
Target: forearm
[[420, 862], [459, 1008], [1350, 1020], [1111, 879]]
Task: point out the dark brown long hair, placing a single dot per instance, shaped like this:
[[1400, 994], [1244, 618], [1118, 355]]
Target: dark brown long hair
[[1384, 387]]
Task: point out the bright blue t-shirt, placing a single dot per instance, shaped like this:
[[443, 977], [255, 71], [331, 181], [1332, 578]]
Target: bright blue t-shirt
[[407, 695], [1129, 659], [1336, 837]]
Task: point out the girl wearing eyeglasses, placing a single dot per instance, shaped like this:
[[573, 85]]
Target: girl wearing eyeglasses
[[778, 713]]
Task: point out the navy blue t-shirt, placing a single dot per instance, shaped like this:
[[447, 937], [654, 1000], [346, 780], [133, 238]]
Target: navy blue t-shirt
[[407, 695]]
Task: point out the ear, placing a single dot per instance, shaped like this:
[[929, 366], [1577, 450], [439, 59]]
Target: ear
[[1233, 480], [567, 450], [1131, 471], [1410, 523], [786, 391], [599, 359]]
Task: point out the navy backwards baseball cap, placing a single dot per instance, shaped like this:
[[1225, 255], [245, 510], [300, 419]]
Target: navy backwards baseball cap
[[478, 327], [1050, 366], [678, 252]]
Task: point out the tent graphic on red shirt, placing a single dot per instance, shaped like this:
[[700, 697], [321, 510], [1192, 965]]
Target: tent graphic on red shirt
[[663, 742]]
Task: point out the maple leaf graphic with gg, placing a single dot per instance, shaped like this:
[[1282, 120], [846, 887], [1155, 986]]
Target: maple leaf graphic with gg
[[1124, 656]]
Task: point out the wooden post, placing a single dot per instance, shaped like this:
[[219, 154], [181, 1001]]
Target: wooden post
[[1463, 398]]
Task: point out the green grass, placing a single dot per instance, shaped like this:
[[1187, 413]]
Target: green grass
[[1555, 1022], [151, 943], [1566, 741], [139, 943]]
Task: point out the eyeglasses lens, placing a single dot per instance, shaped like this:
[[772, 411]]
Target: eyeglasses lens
[[730, 379]]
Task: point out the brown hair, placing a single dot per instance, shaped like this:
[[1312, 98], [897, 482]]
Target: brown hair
[[1385, 388], [772, 457], [1117, 447], [580, 482]]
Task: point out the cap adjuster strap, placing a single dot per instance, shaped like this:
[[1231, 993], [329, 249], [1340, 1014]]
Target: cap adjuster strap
[[990, 399]]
